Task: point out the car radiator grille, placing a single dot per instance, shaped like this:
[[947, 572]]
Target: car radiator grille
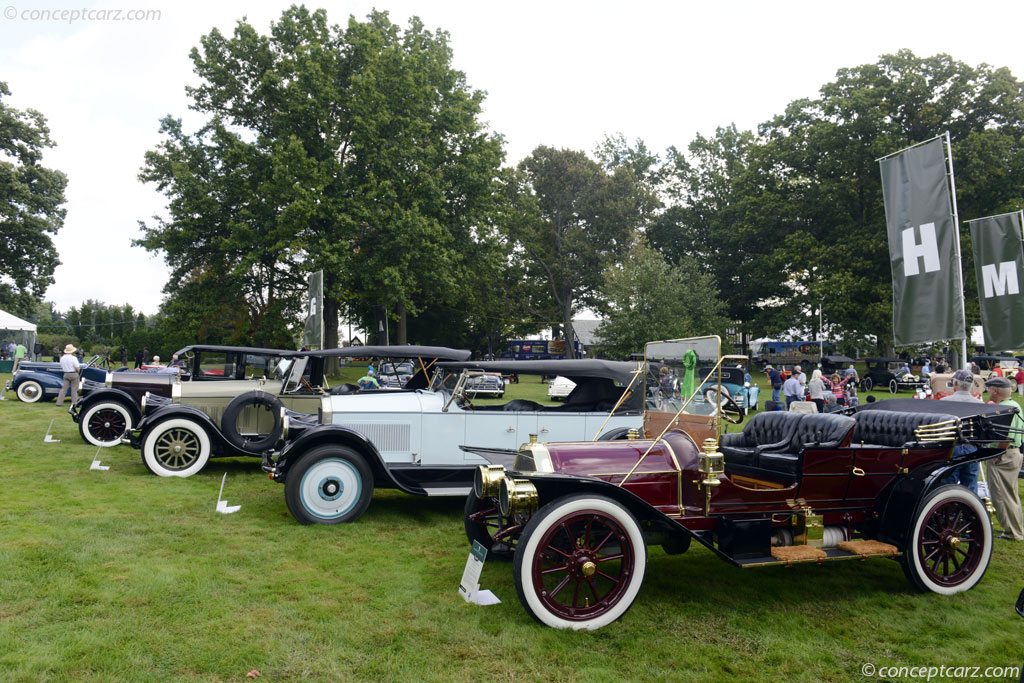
[[388, 438]]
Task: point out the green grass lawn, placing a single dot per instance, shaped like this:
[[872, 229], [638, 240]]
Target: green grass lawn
[[120, 575]]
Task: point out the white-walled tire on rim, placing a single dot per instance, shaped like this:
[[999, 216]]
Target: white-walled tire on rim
[[30, 391], [329, 485], [950, 542], [104, 423], [177, 447], [580, 562]]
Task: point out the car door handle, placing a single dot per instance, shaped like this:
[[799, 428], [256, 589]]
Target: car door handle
[[510, 430], [858, 472], [544, 430]]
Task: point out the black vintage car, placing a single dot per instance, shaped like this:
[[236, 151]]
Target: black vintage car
[[106, 412], [891, 373], [835, 363]]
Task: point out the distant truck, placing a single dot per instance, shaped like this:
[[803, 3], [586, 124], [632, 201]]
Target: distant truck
[[806, 353], [538, 349]]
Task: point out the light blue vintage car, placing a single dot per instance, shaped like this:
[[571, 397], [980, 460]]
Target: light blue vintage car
[[39, 381], [738, 383]]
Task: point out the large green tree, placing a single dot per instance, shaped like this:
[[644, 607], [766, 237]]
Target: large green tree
[[353, 149], [31, 196], [572, 219], [794, 216], [649, 298]]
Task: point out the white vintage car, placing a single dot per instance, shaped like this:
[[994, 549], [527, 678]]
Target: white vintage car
[[411, 439]]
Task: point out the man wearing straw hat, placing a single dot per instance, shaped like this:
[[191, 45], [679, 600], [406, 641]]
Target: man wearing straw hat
[[70, 366]]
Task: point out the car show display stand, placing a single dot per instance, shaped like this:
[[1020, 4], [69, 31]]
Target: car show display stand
[[469, 587]]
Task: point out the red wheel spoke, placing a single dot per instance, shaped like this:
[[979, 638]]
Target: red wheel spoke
[[563, 568], [560, 586], [610, 578], [593, 588], [568, 534], [576, 593], [956, 565], [603, 541], [590, 527], [606, 558], [931, 554], [559, 551]]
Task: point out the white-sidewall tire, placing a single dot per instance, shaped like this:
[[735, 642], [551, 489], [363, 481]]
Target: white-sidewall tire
[[912, 559], [30, 391], [83, 423], [163, 429], [552, 515]]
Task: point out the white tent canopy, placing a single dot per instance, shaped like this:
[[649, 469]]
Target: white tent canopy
[[13, 328]]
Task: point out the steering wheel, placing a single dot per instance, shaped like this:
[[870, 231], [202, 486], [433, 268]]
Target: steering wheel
[[727, 406]]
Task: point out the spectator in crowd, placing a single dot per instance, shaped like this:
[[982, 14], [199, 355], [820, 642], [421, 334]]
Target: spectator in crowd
[[666, 382], [175, 362], [975, 370], [145, 355], [124, 355], [37, 351], [967, 474], [69, 366], [816, 387], [19, 354], [156, 361], [56, 353], [801, 377], [775, 377], [138, 359], [1002, 471], [81, 354], [10, 350], [792, 390], [926, 369], [368, 382], [1019, 378]]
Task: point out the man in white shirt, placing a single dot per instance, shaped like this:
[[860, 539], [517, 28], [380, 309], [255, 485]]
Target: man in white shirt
[[70, 366], [792, 389]]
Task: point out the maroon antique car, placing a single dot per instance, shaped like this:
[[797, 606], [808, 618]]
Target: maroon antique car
[[789, 488]]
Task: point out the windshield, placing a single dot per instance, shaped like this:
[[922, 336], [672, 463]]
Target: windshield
[[677, 369]]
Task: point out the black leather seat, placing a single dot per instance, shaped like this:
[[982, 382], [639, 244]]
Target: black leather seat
[[522, 405], [342, 389], [764, 431], [892, 429], [813, 431]]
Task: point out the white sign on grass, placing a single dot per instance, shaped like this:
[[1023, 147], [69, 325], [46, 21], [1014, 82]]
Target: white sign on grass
[[469, 587]]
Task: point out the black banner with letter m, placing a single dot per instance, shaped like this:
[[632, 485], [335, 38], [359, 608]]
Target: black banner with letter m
[[924, 246], [999, 262]]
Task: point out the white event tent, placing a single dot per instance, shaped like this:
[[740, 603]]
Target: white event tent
[[13, 328]]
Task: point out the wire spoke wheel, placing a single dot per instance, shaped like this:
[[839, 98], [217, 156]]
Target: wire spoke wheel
[[177, 449], [107, 424]]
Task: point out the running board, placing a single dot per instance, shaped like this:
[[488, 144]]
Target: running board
[[831, 555]]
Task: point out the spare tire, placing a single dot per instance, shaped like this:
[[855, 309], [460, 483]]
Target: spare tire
[[229, 421]]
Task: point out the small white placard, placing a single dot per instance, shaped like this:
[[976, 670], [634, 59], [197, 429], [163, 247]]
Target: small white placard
[[48, 438], [469, 587], [222, 505]]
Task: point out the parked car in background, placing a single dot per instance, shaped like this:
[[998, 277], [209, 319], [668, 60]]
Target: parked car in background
[[486, 384], [111, 405], [941, 385], [790, 488], [394, 375], [998, 366], [890, 373], [560, 387], [37, 381], [736, 384], [178, 436], [835, 363]]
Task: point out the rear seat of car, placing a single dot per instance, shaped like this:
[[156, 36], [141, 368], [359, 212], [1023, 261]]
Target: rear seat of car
[[888, 429]]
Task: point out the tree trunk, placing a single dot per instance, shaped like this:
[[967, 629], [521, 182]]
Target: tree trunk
[[402, 331], [570, 350]]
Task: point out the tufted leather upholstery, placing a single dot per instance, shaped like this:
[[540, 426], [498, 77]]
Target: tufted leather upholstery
[[813, 431], [765, 431], [885, 428], [522, 404]]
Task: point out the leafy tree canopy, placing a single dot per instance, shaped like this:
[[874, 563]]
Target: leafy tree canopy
[[31, 196]]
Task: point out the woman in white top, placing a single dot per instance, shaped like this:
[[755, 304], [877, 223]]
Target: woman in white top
[[816, 388]]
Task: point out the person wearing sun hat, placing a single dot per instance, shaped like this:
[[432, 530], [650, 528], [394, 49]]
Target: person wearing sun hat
[[1002, 471], [70, 366]]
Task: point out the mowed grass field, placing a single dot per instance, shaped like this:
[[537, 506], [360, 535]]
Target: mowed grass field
[[120, 575]]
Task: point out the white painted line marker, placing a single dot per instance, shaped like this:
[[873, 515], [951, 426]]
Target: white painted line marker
[[222, 505], [48, 438]]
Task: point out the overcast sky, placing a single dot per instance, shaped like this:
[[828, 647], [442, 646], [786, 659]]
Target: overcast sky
[[557, 73]]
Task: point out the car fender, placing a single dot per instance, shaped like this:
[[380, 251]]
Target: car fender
[[174, 410], [47, 380], [552, 486], [109, 394], [900, 504], [338, 435]]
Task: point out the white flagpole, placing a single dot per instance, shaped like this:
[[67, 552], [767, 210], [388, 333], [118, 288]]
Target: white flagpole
[[956, 226]]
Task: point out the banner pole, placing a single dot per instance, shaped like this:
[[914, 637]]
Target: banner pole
[[959, 261]]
